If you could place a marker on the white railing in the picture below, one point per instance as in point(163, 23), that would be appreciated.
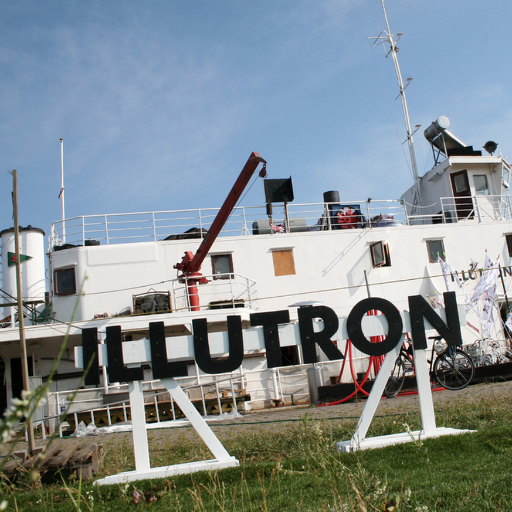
point(284, 385)
point(182, 224)
point(482, 208)
point(231, 292)
point(89, 402)
point(179, 224)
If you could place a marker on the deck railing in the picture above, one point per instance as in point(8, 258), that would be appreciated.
point(182, 224)
point(231, 291)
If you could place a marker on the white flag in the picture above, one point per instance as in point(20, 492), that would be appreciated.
point(448, 270)
point(488, 281)
point(489, 296)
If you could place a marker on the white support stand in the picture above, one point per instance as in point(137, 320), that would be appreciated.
point(141, 447)
point(428, 419)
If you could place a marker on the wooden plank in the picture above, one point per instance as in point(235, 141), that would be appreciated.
point(11, 466)
point(61, 458)
point(20, 454)
point(88, 453)
point(52, 449)
point(84, 459)
point(83, 472)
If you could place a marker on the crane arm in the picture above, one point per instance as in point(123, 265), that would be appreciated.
point(191, 264)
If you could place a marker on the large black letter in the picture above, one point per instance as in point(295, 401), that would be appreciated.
point(270, 321)
point(308, 337)
point(202, 348)
point(90, 356)
point(162, 369)
point(355, 332)
point(421, 308)
point(116, 370)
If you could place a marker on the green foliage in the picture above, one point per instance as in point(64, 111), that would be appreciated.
point(296, 468)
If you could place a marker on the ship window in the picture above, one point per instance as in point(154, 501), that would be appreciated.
point(380, 254)
point(481, 185)
point(435, 249)
point(283, 262)
point(460, 183)
point(509, 244)
point(64, 281)
point(506, 178)
point(222, 266)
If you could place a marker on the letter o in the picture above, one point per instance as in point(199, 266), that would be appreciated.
point(355, 331)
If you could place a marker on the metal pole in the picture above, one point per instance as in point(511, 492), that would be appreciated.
point(23, 346)
point(61, 195)
point(367, 284)
point(394, 50)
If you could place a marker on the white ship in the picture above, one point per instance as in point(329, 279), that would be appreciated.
point(132, 269)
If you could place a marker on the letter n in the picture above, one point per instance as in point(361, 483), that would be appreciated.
point(421, 309)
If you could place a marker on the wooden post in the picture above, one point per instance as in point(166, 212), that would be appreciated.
point(24, 364)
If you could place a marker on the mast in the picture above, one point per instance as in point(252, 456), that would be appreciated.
point(387, 36)
point(61, 194)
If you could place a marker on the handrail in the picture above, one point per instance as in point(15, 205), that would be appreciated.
point(162, 226)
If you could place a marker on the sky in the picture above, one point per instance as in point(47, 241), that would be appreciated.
point(161, 102)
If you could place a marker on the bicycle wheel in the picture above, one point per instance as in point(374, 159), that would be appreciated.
point(456, 372)
point(396, 379)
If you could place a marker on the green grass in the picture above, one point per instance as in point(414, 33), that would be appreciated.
point(298, 469)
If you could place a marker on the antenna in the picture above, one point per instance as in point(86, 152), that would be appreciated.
point(383, 37)
point(61, 194)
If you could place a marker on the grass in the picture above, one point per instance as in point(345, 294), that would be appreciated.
point(298, 469)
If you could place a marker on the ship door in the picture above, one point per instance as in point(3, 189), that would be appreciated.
point(462, 195)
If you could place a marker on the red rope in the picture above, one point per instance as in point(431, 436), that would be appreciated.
point(359, 386)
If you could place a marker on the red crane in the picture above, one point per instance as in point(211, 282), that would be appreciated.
point(191, 263)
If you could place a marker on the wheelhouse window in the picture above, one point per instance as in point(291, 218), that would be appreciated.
point(222, 266)
point(284, 264)
point(64, 281)
point(380, 254)
point(435, 249)
point(481, 185)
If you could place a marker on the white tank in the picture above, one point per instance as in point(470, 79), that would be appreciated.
point(33, 283)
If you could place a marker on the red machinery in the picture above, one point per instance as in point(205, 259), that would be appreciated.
point(191, 263)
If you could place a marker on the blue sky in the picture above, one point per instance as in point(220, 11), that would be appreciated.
point(160, 103)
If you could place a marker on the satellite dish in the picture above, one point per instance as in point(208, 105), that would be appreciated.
point(490, 146)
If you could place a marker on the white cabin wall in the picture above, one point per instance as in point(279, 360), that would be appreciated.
point(112, 274)
point(436, 183)
point(330, 267)
point(64, 305)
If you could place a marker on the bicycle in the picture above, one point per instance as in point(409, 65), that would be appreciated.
point(488, 351)
point(451, 367)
